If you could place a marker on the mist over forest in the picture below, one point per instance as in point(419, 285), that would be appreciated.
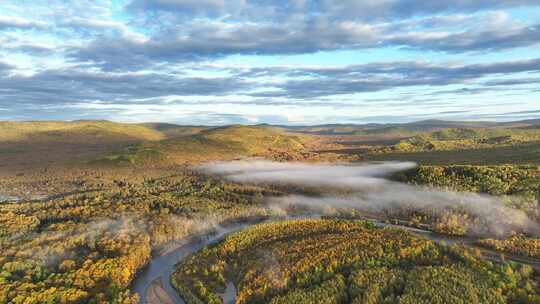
point(269, 152)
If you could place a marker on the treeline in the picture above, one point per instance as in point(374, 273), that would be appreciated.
point(495, 180)
point(515, 244)
point(517, 186)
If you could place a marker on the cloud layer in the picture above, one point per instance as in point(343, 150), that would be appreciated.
point(93, 57)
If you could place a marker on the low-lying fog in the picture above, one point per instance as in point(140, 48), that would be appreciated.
point(367, 188)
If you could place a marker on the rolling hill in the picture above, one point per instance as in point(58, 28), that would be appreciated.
point(77, 131)
point(215, 144)
point(44, 143)
point(171, 130)
point(406, 129)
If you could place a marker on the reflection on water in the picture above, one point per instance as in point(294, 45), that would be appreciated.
point(229, 296)
point(8, 199)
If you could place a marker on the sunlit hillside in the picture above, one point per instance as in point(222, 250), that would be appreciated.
point(171, 130)
point(47, 143)
point(214, 144)
point(77, 131)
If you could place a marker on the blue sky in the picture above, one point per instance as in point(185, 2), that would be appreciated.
point(269, 61)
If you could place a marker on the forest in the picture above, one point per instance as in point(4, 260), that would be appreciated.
point(81, 229)
point(86, 247)
point(269, 151)
point(338, 261)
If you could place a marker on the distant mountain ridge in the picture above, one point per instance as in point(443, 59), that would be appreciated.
point(418, 126)
point(103, 129)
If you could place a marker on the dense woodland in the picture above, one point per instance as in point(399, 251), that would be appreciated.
point(86, 247)
point(515, 244)
point(494, 180)
point(85, 222)
point(331, 261)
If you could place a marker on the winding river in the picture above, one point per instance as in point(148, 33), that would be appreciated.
point(153, 282)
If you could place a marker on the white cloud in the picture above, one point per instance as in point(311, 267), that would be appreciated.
point(230, 58)
point(10, 22)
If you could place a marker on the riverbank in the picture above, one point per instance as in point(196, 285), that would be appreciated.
point(154, 280)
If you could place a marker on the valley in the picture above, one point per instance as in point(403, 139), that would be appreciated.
point(110, 225)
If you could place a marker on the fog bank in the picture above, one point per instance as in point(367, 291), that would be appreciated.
point(344, 176)
point(370, 190)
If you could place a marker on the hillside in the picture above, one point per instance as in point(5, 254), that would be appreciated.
point(46, 143)
point(77, 131)
point(481, 146)
point(524, 154)
point(33, 144)
point(213, 144)
point(173, 130)
point(464, 138)
point(387, 131)
point(408, 129)
point(405, 129)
